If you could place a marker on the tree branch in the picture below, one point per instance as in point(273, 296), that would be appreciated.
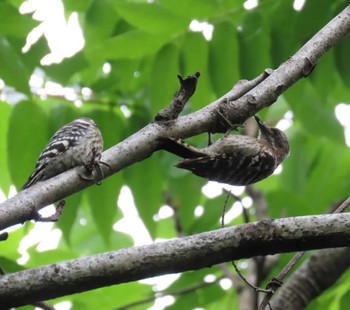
point(139, 146)
point(187, 89)
point(177, 255)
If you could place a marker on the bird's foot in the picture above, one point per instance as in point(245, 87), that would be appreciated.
point(94, 165)
point(227, 123)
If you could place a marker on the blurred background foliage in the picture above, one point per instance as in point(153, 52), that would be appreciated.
point(122, 76)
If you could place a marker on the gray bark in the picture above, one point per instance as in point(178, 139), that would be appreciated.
point(178, 255)
point(243, 101)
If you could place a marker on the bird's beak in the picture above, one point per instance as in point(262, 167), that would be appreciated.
point(263, 128)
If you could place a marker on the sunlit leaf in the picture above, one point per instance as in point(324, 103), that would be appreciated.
point(12, 69)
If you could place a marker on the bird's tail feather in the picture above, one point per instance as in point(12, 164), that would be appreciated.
point(179, 148)
point(34, 178)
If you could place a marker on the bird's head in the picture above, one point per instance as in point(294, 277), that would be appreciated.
point(275, 138)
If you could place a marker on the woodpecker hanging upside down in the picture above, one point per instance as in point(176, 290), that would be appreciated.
point(235, 159)
point(78, 143)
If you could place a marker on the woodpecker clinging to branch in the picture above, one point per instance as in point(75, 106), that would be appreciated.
point(235, 159)
point(77, 143)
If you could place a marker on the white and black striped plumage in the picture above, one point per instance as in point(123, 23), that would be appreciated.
point(77, 143)
point(235, 159)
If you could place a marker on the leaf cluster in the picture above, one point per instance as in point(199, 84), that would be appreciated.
point(146, 45)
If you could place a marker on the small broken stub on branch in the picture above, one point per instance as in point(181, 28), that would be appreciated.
point(52, 218)
point(187, 89)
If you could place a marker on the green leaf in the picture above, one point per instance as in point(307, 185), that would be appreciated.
point(13, 23)
point(306, 24)
point(122, 77)
point(103, 198)
point(341, 54)
point(146, 183)
point(209, 294)
point(211, 217)
point(63, 71)
point(27, 138)
point(282, 49)
point(5, 181)
point(164, 83)
point(296, 166)
point(194, 9)
point(103, 204)
point(9, 266)
point(166, 228)
point(254, 46)
point(12, 69)
point(77, 5)
point(313, 112)
point(130, 45)
point(60, 115)
point(287, 203)
point(185, 193)
point(345, 301)
point(223, 57)
point(328, 180)
point(105, 298)
point(48, 257)
point(192, 61)
point(38, 50)
point(98, 29)
point(9, 248)
point(151, 17)
point(69, 216)
point(186, 301)
point(324, 76)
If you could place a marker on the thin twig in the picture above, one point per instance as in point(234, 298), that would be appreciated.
point(255, 288)
point(244, 210)
point(224, 211)
point(343, 206)
point(174, 207)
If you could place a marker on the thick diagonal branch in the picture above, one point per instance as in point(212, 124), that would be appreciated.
point(143, 143)
point(177, 255)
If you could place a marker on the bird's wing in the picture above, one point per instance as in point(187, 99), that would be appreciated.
point(233, 168)
point(35, 176)
point(236, 145)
